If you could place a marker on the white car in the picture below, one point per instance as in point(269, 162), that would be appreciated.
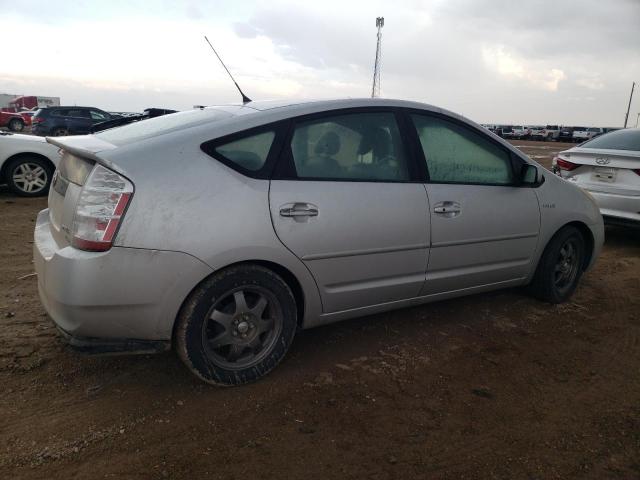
point(27, 163)
point(608, 167)
point(586, 133)
point(520, 132)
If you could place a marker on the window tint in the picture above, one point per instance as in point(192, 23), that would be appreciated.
point(456, 154)
point(250, 152)
point(358, 146)
point(59, 113)
point(78, 113)
point(618, 140)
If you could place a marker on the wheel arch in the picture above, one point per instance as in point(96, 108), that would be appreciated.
point(16, 156)
point(587, 234)
point(287, 275)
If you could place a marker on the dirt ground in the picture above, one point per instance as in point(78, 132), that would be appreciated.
point(491, 386)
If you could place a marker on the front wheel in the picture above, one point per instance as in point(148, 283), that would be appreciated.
point(560, 266)
point(236, 326)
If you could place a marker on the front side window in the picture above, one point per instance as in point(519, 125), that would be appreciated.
point(457, 154)
point(249, 153)
point(357, 146)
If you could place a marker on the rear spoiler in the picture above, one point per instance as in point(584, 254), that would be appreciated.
point(86, 146)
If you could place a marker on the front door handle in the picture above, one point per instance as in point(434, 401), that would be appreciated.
point(447, 209)
point(299, 210)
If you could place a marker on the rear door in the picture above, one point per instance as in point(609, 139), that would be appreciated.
point(484, 229)
point(346, 200)
point(78, 121)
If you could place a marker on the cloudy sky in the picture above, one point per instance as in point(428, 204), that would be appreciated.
point(533, 61)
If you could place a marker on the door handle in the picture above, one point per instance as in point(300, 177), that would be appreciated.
point(448, 209)
point(299, 210)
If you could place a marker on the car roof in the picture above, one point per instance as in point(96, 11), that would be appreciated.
point(291, 108)
point(75, 107)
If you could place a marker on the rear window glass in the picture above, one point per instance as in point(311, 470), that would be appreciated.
point(248, 153)
point(159, 125)
point(619, 140)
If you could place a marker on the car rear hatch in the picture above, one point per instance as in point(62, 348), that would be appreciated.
point(605, 171)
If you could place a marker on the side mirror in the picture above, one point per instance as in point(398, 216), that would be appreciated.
point(529, 175)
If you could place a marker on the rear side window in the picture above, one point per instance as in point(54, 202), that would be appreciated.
point(357, 146)
point(99, 116)
point(456, 154)
point(78, 113)
point(249, 153)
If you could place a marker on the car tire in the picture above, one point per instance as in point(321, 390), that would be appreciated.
point(560, 267)
point(16, 125)
point(236, 326)
point(29, 176)
point(59, 132)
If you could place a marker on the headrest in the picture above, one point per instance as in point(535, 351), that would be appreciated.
point(329, 144)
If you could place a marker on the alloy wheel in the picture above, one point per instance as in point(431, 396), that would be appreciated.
point(241, 327)
point(30, 177)
point(566, 267)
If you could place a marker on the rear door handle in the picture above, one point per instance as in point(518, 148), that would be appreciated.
point(299, 210)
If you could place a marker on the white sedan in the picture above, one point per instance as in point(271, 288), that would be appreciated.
point(27, 163)
point(608, 167)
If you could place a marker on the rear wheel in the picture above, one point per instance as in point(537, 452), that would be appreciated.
point(237, 326)
point(29, 176)
point(560, 267)
point(16, 125)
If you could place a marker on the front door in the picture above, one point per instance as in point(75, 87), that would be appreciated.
point(484, 228)
point(348, 206)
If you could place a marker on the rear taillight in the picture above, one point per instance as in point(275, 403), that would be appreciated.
point(37, 120)
point(101, 206)
point(565, 164)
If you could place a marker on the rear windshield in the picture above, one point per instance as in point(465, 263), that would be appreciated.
point(153, 127)
point(619, 140)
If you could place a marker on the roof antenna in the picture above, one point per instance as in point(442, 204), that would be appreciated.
point(245, 99)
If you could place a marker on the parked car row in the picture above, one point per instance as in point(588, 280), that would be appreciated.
point(27, 162)
point(547, 133)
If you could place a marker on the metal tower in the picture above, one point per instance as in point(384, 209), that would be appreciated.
point(375, 90)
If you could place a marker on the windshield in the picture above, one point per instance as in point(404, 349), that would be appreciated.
point(619, 140)
point(160, 125)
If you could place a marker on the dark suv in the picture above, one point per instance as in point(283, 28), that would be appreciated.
point(57, 121)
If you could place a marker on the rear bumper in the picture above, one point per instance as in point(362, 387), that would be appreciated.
point(121, 296)
point(101, 346)
point(624, 208)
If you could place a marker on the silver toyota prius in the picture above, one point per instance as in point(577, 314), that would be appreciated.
point(222, 231)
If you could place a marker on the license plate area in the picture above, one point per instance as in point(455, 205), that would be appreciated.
point(607, 175)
